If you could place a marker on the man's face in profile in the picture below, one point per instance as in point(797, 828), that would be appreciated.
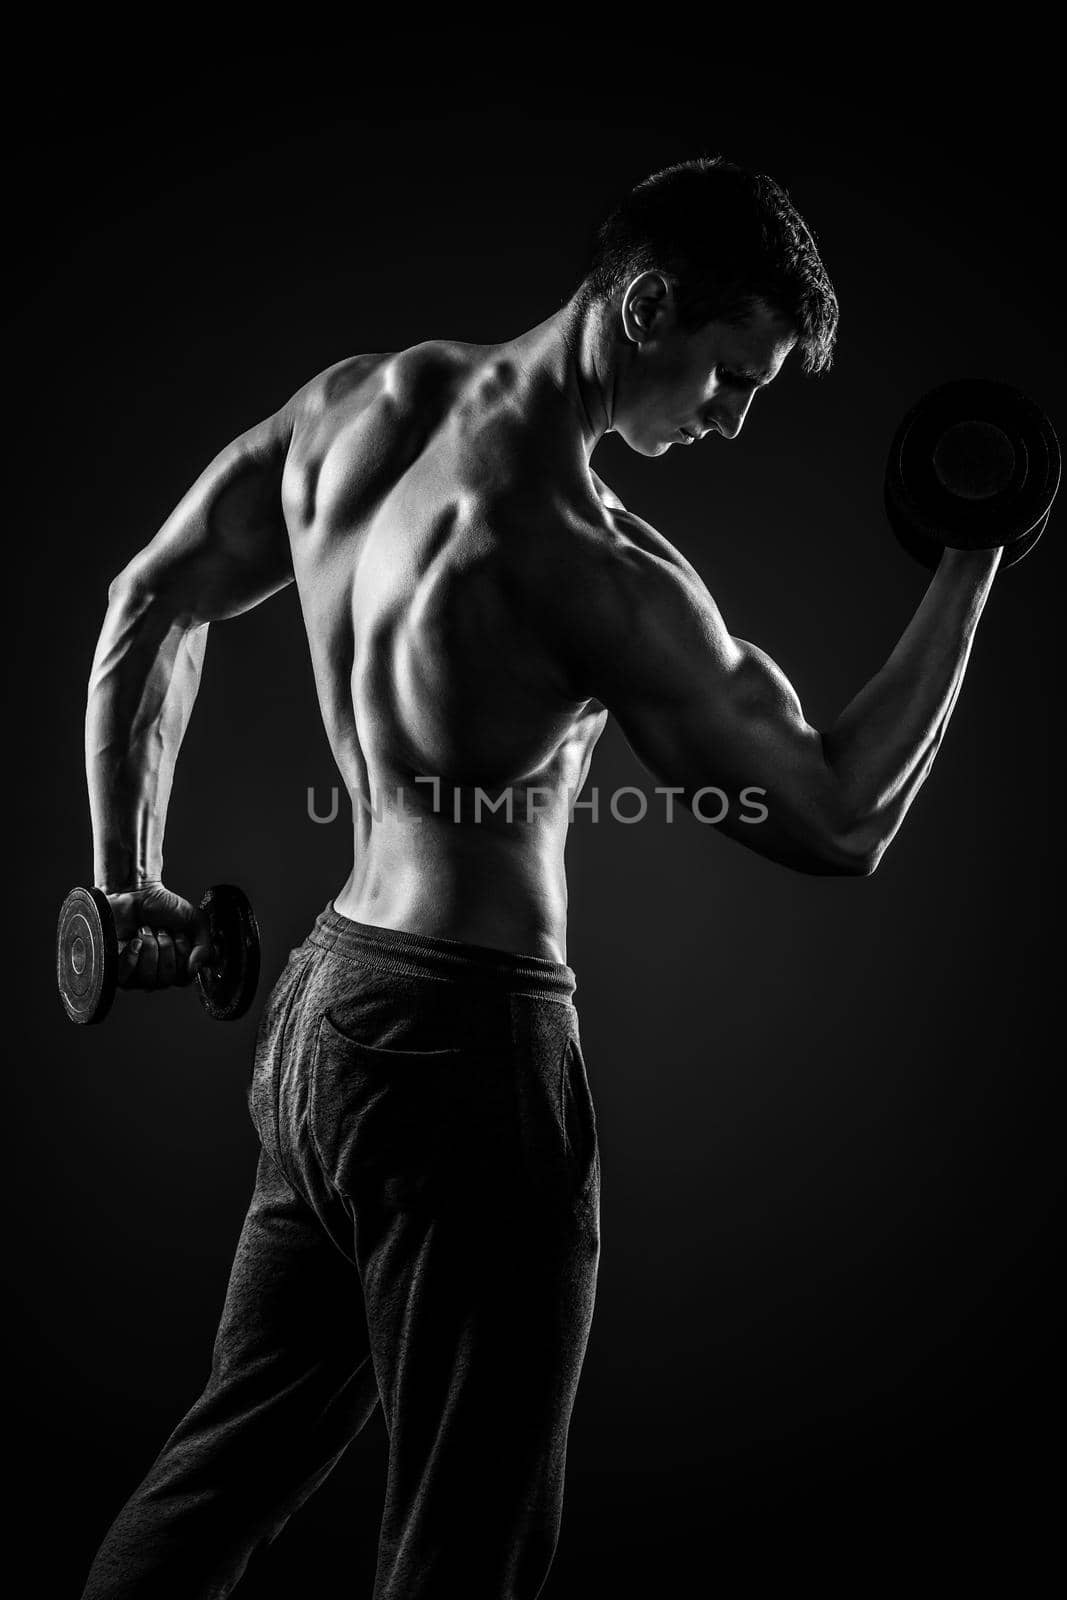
point(681, 384)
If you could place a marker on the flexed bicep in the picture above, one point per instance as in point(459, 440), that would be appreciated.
point(702, 710)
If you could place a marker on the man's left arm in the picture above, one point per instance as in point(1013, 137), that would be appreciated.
point(224, 549)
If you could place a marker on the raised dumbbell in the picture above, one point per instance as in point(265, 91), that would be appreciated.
point(87, 955)
point(973, 465)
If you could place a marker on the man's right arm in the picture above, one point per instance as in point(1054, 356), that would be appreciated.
point(702, 709)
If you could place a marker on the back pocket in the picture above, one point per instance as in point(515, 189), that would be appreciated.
point(399, 1126)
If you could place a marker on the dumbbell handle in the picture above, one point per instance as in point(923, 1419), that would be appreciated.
point(214, 945)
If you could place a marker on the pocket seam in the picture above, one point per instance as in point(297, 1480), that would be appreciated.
point(564, 1063)
point(272, 1110)
point(584, 1109)
point(275, 1096)
point(382, 1052)
point(313, 1098)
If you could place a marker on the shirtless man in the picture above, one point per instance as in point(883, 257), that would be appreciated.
point(424, 1230)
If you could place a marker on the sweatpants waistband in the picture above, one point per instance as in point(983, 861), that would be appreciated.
point(420, 955)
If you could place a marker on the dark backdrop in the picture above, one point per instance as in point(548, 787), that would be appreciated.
point(829, 1110)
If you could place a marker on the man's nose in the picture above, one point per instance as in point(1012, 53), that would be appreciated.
point(731, 417)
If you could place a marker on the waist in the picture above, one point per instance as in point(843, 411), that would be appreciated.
point(497, 886)
point(420, 955)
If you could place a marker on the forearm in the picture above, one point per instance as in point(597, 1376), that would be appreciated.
point(883, 744)
point(144, 681)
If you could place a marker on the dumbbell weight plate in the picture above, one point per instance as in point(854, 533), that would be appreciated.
point(973, 465)
point(227, 985)
point(87, 955)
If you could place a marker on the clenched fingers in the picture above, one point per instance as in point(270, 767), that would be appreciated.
point(148, 961)
point(182, 947)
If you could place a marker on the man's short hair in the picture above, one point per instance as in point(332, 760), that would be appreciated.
point(730, 237)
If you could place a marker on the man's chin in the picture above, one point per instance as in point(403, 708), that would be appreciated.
point(646, 446)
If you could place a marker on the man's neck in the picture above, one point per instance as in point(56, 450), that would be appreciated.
point(569, 364)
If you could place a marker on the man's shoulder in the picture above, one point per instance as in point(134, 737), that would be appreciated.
point(619, 548)
point(622, 603)
point(595, 569)
point(396, 377)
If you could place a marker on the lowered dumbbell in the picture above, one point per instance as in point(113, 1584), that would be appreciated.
point(973, 465)
point(87, 955)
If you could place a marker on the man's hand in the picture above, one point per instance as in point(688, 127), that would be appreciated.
point(163, 940)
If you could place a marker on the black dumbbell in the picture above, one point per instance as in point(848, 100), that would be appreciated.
point(87, 955)
point(973, 465)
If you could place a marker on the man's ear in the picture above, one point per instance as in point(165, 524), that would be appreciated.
point(646, 302)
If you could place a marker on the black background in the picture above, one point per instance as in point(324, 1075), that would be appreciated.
point(829, 1110)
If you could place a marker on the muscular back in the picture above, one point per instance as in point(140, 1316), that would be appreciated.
point(476, 602)
point(415, 499)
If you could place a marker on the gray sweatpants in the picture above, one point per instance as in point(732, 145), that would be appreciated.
point(423, 1234)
